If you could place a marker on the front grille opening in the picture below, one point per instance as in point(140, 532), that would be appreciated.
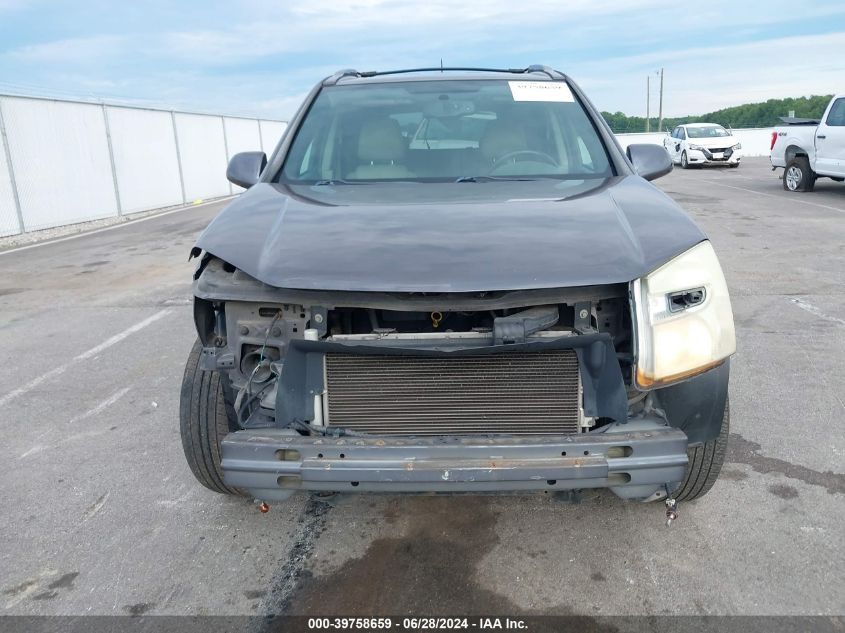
point(516, 393)
point(422, 317)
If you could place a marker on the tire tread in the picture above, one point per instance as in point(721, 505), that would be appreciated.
point(705, 463)
point(808, 177)
point(203, 422)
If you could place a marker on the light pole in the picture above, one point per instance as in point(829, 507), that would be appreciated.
point(660, 108)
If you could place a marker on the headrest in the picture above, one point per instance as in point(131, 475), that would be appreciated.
point(381, 140)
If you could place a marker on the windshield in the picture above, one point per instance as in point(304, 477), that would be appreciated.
point(445, 131)
point(707, 131)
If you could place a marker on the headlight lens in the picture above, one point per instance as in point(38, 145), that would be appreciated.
point(696, 147)
point(684, 320)
point(737, 146)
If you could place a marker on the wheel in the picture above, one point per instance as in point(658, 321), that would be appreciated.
point(705, 463)
point(734, 165)
point(684, 161)
point(206, 416)
point(797, 176)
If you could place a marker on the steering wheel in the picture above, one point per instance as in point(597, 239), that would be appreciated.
point(545, 158)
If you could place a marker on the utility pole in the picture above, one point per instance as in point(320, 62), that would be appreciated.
point(660, 110)
point(647, 102)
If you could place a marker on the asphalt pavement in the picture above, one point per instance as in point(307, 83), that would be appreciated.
point(102, 516)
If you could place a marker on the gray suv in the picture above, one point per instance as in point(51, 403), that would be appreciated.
point(455, 280)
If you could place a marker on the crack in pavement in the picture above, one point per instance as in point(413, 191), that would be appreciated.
point(285, 580)
point(743, 451)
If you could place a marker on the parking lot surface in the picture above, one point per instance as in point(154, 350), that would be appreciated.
point(102, 516)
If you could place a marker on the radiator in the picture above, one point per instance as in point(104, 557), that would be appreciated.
point(505, 393)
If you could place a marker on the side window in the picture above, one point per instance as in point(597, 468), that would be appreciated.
point(305, 165)
point(676, 133)
point(308, 156)
point(681, 133)
point(836, 116)
point(586, 158)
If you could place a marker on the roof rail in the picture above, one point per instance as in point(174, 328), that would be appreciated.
point(539, 68)
point(347, 72)
point(534, 68)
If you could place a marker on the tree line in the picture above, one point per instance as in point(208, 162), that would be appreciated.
point(764, 114)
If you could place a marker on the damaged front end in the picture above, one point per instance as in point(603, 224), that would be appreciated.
point(446, 392)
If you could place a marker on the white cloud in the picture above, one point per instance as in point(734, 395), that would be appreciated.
point(242, 57)
point(706, 78)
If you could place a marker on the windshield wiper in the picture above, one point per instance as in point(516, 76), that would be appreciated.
point(339, 181)
point(492, 178)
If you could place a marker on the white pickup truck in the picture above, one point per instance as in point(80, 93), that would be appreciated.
point(808, 149)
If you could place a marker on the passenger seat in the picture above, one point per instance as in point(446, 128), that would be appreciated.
point(381, 152)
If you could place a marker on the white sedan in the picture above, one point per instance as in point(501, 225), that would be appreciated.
point(702, 144)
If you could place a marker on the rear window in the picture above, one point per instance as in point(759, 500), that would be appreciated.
point(442, 131)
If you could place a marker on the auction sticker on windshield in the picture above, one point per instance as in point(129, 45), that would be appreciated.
point(540, 91)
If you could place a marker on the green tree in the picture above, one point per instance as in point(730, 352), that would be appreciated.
point(766, 114)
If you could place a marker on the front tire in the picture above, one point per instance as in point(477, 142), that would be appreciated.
point(206, 416)
point(797, 176)
point(705, 463)
point(684, 160)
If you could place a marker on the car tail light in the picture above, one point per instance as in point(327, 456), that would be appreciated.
point(774, 140)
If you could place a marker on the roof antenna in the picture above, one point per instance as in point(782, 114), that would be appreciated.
point(441, 64)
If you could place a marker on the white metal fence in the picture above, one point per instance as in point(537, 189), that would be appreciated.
point(755, 141)
point(63, 162)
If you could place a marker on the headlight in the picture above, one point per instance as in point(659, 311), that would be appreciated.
point(684, 320)
point(697, 147)
point(737, 146)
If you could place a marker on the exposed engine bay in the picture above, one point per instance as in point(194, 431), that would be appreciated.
point(419, 361)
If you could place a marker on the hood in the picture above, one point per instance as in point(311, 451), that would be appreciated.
point(450, 237)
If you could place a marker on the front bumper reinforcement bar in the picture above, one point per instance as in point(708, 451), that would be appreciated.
point(273, 463)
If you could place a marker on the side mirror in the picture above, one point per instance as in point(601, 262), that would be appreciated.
point(649, 161)
point(245, 168)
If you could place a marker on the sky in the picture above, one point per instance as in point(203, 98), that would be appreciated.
point(259, 58)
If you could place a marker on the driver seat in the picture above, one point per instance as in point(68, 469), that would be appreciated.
point(499, 139)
